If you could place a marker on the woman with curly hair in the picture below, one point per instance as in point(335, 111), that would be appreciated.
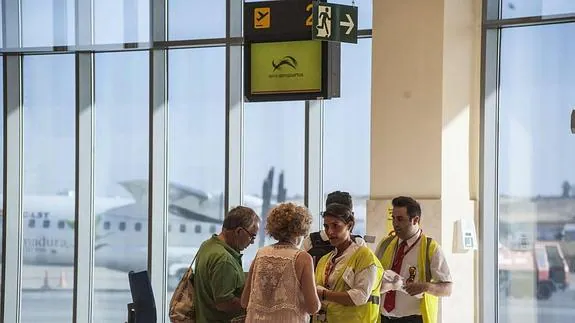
point(280, 285)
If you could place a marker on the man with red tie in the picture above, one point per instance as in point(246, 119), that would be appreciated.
point(420, 262)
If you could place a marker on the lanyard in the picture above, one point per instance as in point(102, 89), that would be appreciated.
point(328, 270)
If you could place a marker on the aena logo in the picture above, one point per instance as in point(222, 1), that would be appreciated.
point(286, 60)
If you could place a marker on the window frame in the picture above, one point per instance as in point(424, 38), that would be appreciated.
point(492, 25)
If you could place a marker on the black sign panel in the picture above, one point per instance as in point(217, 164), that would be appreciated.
point(281, 60)
point(279, 20)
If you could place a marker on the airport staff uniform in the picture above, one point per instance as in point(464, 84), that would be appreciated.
point(357, 272)
point(429, 266)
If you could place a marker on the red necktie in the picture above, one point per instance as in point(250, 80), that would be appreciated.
point(389, 302)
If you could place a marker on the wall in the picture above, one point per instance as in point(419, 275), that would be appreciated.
point(425, 125)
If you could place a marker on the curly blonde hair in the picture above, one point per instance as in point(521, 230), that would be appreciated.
point(287, 221)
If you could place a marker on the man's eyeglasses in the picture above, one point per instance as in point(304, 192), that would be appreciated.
point(252, 235)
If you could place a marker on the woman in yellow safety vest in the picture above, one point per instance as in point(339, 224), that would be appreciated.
point(349, 277)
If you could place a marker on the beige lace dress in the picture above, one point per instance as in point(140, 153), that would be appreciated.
point(275, 294)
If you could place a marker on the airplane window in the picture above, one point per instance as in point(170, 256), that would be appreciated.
point(138, 226)
point(107, 225)
point(31, 223)
point(182, 228)
point(213, 229)
point(198, 228)
point(46, 224)
point(61, 224)
point(122, 226)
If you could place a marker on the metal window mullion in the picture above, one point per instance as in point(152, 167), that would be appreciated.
point(12, 203)
point(85, 231)
point(492, 9)
point(13, 189)
point(11, 27)
point(488, 208)
point(158, 159)
point(314, 127)
point(158, 167)
point(234, 108)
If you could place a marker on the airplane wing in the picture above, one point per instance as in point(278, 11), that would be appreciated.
point(139, 191)
point(191, 215)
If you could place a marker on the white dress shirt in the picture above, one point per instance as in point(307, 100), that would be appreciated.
point(406, 305)
point(361, 283)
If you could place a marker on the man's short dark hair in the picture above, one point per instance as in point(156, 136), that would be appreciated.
point(240, 216)
point(411, 205)
point(339, 197)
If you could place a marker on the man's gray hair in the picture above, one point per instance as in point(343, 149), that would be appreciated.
point(240, 216)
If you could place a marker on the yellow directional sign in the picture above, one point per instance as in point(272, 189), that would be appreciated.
point(262, 18)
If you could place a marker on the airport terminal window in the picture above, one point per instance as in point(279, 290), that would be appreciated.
point(209, 19)
point(346, 159)
point(117, 22)
point(197, 159)
point(49, 150)
point(536, 175)
point(48, 23)
point(274, 145)
point(274, 148)
point(526, 8)
point(1, 142)
point(121, 95)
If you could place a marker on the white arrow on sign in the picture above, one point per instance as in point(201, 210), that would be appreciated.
point(349, 24)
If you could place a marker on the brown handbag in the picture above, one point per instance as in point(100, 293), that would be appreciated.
point(182, 308)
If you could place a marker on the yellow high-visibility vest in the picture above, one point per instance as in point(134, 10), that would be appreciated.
point(368, 312)
point(385, 253)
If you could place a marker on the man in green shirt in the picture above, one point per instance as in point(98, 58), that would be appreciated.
point(218, 275)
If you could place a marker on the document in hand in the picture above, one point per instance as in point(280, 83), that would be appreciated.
point(393, 281)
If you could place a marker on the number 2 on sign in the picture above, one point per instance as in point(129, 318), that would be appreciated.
point(309, 20)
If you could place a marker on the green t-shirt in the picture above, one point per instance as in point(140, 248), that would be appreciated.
point(218, 277)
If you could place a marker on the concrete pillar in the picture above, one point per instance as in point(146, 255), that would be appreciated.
point(425, 126)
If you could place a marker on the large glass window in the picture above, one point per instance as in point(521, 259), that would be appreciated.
point(274, 153)
point(526, 8)
point(121, 178)
point(197, 19)
point(48, 23)
point(536, 174)
point(197, 153)
point(346, 154)
point(49, 179)
point(1, 159)
point(121, 21)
